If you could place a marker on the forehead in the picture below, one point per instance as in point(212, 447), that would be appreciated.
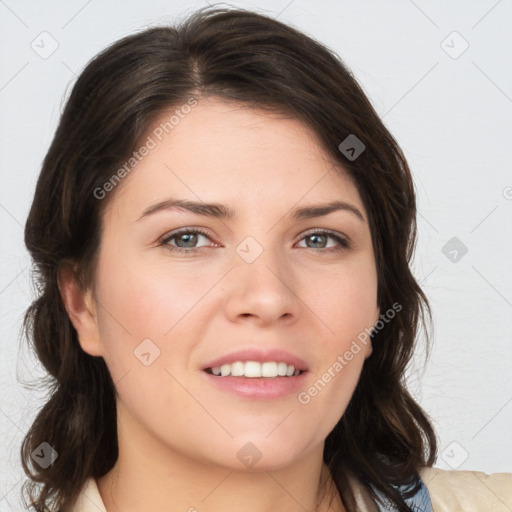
point(229, 130)
point(227, 152)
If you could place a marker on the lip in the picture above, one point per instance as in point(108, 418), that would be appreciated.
point(260, 356)
point(263, 388)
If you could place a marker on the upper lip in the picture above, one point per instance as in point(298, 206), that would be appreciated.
point(259, 355)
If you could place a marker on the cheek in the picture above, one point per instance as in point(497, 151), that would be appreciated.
point(346, 301)
point(346, 304)
point(141, 302)
point(144, 300)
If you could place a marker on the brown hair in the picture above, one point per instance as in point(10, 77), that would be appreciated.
point(384, 437)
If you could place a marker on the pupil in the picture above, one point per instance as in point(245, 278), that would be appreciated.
point(192, 237)
point(315, 238)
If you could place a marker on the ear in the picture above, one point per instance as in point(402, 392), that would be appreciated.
point(81, 308)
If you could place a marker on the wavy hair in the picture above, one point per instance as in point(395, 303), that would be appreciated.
point(384, 437)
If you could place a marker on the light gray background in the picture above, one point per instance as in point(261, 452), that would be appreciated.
point(451, 114)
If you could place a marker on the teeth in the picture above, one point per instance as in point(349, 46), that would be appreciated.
point(254, 370)
point(269, 370)
point(237, 369)
point(282, 369)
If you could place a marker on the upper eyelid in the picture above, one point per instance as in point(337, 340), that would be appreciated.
point(204, 232)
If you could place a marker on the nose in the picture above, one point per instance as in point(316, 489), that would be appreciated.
point(262, 290)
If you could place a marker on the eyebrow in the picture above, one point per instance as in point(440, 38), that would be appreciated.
point(221, 211)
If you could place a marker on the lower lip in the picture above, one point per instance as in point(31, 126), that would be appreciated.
point(263, 388)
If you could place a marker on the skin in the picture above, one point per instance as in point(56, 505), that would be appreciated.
point(179, 435)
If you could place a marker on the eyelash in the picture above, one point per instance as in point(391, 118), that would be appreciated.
point(344, 244)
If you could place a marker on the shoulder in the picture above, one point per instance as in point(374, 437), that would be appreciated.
point(468, 490)
point(89, 499)
point(447, 491)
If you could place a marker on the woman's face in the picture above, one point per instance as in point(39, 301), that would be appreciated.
point(262, 279)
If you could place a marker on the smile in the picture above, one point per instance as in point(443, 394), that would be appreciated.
point(254, 370)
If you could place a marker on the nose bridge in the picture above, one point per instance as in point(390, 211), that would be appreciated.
point(262, 279)
point(263, 259)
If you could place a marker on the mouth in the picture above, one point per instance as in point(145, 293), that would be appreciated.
point(256, 381)
point(255, 370)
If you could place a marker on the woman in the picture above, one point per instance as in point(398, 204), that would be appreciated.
point(223, 229)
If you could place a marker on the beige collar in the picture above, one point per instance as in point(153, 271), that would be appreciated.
point(449, 491)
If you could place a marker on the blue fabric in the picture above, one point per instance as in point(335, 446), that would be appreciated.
point(419, 502)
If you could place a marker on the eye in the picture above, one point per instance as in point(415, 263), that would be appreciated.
point(185, 238)
point(318, 239)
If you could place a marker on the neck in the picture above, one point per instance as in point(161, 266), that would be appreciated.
point(152, 476)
